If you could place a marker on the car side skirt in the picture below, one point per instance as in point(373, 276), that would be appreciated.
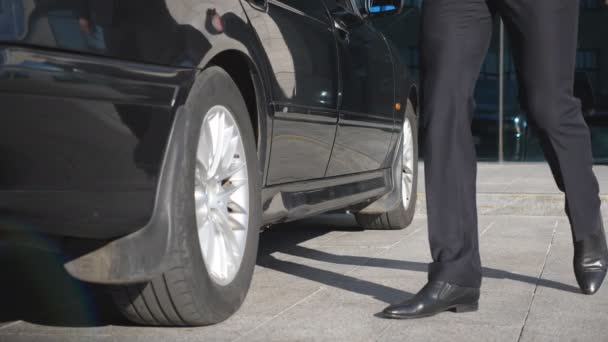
point(292, 201)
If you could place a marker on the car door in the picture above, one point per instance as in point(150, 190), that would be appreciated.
point(367, 100)
point(297, 38)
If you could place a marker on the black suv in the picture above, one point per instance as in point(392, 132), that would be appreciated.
point(159, 136)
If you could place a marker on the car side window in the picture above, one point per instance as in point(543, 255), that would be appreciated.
point(360, 4)
point(349, 5)
point(313, 8)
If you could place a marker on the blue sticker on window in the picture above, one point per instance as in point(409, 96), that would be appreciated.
point(385, 8)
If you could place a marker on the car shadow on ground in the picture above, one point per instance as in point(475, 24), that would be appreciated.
point(36, 288)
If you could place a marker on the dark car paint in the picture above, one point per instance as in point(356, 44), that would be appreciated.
point(82, 139)
point(301, 48)
point(367, 95)
point(93, 88)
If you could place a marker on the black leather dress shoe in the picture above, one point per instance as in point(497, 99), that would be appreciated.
point(436, 297)
point(591, 262)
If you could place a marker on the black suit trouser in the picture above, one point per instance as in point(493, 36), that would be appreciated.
point(455, 38)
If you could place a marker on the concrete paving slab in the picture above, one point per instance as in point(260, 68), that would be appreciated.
point(57, 338)
point(562, 315)
point(516, 189)
point(507, 292)
point(332, 315)
point(433, 331)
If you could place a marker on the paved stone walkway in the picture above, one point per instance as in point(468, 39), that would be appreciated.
point(324, 280)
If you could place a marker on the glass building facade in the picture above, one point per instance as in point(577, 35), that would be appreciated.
point(519, 141)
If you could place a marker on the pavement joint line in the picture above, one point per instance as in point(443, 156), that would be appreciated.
point(542, 271)
point(487, 228)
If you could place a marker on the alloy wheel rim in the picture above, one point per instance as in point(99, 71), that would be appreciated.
point(221, 195)
point(407, 178)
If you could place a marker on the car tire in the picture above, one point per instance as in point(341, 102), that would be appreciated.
point(400, 217)
point(189, 293)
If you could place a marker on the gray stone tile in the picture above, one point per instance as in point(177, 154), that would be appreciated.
point(39, 329)
point(331, 315)
point(565, 314)
point(56, 338)
point(430, 330)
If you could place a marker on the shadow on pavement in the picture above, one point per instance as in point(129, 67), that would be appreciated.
point(298, 233)
point(35, 287)
point(286, 239)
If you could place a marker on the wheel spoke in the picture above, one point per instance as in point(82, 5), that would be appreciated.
point(206, 239)
point(232, 169)
point(218, 144)
point(204, 152)
point(230, 145)
point(231, 188)
point(226, 228)
point(407, 188)
point(236, 208)
point(406, 169)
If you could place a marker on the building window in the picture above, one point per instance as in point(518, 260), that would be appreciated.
point(590, 4)
point(414, 3)
point(587, 61)
point(489, 69)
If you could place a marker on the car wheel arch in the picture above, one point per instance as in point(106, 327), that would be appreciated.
point(251, 82)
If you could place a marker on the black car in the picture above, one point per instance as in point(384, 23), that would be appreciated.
point(158, 136)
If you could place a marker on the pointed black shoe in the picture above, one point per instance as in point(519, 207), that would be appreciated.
point(591, 262)
point(434, 298)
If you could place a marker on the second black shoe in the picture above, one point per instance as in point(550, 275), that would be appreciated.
point(435, 297)
point(591, 262)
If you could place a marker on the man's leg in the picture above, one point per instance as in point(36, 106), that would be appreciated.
point(455, 38)
point(544, 36)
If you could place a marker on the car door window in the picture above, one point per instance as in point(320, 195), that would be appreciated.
point(360, 4)
point(314, 9)
point(346, 4)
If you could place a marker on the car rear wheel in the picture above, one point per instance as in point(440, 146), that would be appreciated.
point(402, 216)
point(220, 207)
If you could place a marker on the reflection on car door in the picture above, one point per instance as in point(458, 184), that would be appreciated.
point(302, 52)
point(367, 94)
